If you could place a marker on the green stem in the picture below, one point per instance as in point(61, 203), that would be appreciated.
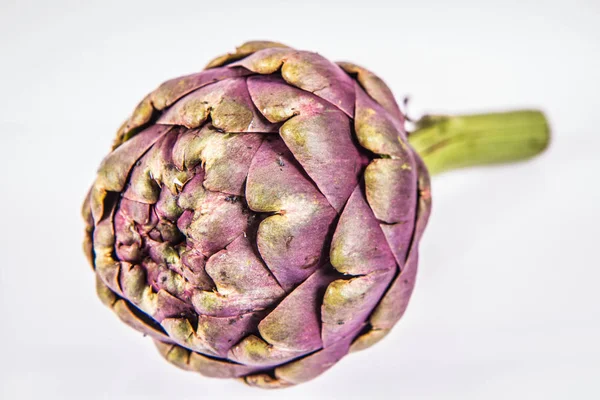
point(450, 142)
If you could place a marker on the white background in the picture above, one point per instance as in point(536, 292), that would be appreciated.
point(507, 304)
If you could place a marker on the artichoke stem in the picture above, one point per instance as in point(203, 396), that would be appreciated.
point(451, 142)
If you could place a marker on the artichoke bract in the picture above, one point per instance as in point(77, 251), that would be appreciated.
point(261, 219)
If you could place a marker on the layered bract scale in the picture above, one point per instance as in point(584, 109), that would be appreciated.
point(260, 219)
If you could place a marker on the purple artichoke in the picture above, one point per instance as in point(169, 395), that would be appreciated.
point(261, 219)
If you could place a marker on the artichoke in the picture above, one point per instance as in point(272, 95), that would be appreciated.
point(261, 219)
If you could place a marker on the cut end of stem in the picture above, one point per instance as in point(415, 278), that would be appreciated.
point(451, 142)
